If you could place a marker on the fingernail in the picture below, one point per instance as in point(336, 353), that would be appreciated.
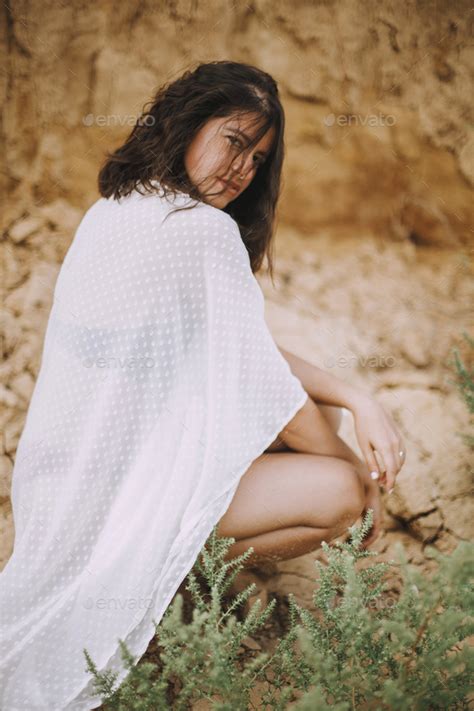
point(374, 475)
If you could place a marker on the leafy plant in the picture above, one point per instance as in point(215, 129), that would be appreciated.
point(358, 649)
point(368, 651)
point(465, 383)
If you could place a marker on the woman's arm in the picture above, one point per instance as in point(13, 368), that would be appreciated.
point(309, 432)
point(323, 387)
point(374, 427)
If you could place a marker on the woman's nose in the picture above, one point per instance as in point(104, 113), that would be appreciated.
point(242, 165)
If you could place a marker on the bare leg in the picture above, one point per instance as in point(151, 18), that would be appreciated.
point(282, 544)
point(270, 508)
point(332, 414)
point(287, 503)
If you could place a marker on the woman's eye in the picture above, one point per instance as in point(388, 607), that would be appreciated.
point(236, 141)
point(233, 140)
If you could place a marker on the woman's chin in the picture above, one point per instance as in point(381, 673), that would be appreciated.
point(219, 201)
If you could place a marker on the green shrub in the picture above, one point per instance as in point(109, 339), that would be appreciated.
point(359, 648)
point(465, 384)
point(366, 650)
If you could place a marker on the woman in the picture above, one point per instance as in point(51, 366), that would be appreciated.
point(234, 163)
point(163, 407)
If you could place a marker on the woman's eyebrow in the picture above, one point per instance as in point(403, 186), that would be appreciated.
point(247, 138)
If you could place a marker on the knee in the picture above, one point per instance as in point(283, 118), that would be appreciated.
point(349, 496)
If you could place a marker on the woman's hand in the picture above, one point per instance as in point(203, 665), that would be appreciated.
point(375, 430)
point(372, 501)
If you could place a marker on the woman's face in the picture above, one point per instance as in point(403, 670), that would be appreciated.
point(211, 159)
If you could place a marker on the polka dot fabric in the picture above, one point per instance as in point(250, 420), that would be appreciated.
point(159, 384)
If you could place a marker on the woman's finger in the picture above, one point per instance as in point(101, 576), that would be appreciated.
point(372, 462)
point(401, 453)
point(382, 480)
point(391, 474)
point(394, 454)
point(398, 446)
point(391, 467)
point(397, 457)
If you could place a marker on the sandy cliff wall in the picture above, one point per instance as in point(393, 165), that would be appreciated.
point(376, 215)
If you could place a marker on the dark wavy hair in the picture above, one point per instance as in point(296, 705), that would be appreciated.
point(156, 146)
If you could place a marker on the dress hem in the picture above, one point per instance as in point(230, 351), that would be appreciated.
point(137, 651)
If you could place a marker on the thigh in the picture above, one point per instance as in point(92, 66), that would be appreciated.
point(288, 489)
point(333, 415)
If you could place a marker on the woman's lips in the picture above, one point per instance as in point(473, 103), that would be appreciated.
point(229, 186)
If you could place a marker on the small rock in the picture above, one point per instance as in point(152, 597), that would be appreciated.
point(458, 518)
point(446, 542)
point(62, 214)
point(23, 385)
point(10, 330)
point(415, 350)
point(12, 433)
point(6, 468)
point(24, 228)
point(251, 643)
point(391, 523)
point(7, 397)
point(466, 159)
point(37, 291)
point(7, 535)
point(426, 528)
